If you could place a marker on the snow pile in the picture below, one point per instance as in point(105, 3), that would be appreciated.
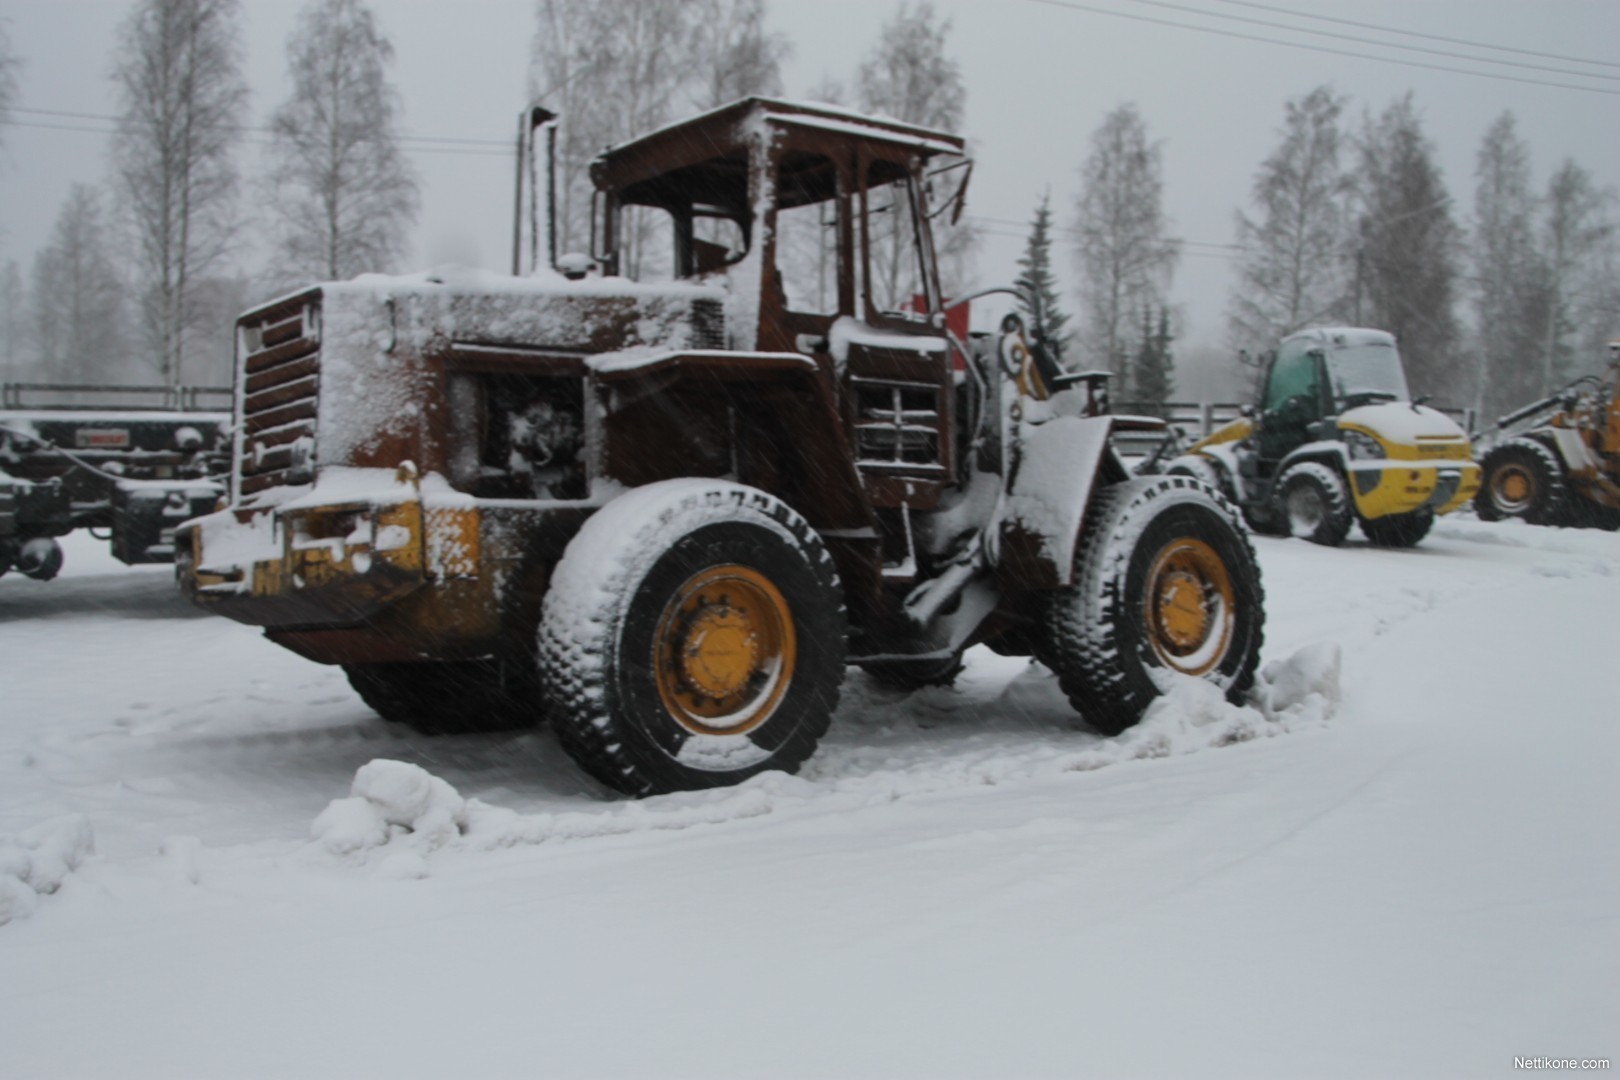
point(1194, 714)
point(35, 862)
point(389, 800)
point(399, 813)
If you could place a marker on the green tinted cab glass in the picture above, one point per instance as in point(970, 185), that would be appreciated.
point(1292, 375)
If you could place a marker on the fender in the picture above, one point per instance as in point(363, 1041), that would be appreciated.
point(1057, 465)
point(770, 413)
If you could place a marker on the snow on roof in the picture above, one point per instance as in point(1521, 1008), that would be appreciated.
point(811, 114)
point(1343, 336)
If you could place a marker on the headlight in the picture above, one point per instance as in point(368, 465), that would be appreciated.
point(1363, 447)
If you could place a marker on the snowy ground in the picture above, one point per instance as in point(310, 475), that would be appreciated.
point(1422, 882)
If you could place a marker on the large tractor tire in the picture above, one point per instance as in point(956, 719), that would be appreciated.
point(1587, 514)
point(1313, 503)
point(693, 636)
point(1167, 582)
point(448, 698)
point(1204, 470)
point(1521, 479)
point(1398, 530)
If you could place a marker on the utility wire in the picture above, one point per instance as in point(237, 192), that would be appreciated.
point(1367, 41)
point(1070, 5)
point(1419, 34)
point(257, 129)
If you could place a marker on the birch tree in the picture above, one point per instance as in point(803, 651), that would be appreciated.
point(8, 77)
point(1577, 238)
point(1509, 280)
point(179, 78)
point(909, 76)
point(1292, 273)
point(1122, 248)
point(77, 299)
point(342, 195)
point(1407, 249)
point(733, 54)
point(613, 69)
point(13, 322)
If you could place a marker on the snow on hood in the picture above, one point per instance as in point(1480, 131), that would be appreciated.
point(1402, 423)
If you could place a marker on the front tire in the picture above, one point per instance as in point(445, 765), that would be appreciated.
point(1521, 479)
point(1314, 504)
point(1399, 530)
point(693, 637)
point(1167, 581)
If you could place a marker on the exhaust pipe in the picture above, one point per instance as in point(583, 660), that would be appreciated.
point(40, 558)
point(527, 214)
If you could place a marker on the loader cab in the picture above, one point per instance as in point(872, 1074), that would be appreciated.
point(816, 222)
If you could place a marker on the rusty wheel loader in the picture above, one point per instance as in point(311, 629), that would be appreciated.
point(663, 498)
point(1557, 461)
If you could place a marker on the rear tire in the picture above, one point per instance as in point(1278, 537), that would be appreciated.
point(693, 637)
point(1399, 530)
point(908, 675)
point(461, 697)
point(1167, 581)
point(1521, 479)
point(1313, 504)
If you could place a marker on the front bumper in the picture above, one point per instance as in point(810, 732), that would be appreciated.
point(1382, 488)
point(379, 582)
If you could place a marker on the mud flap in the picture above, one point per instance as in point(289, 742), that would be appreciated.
point(1055, 468)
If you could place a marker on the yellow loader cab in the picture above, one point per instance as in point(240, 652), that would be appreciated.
point(1337, 440)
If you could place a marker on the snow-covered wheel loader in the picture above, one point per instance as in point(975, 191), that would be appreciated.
point(1557, 461)
point(665, 498)
point(1337, 441)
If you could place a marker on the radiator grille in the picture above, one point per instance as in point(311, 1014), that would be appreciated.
point(281, 362)
point(708, 325)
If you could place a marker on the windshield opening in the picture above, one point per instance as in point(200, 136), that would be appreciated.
point(1366, 371)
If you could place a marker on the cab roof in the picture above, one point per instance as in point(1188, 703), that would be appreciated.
point(726, 132)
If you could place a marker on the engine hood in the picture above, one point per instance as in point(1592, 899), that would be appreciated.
point(1401, 422)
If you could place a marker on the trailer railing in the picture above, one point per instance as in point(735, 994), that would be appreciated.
point(65, 396)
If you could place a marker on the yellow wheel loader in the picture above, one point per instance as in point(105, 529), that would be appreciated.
point(1335, 441)
point(1557, 460)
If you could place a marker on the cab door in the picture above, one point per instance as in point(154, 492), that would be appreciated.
point(897, 377)
point(1292, 402)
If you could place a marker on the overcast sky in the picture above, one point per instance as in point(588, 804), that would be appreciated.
point(1040, 75)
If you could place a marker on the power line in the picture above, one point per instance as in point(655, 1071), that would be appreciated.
point(1364, 40)
point(1421, 34)
point(257, 129)
point(1239, 35)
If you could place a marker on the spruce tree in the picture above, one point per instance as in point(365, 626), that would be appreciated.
point(1036, 278)
point(1153, 377)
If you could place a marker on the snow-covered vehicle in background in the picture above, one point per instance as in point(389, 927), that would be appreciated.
point(1557, 461)
point(132, 462)
point(1337, 440)
point(663, 500)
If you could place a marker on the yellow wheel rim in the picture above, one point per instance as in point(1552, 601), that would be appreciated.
point(1513, 487)
point(725, 651)
point(1190, 606)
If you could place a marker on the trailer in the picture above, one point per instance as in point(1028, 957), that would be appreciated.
point(128, 463)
